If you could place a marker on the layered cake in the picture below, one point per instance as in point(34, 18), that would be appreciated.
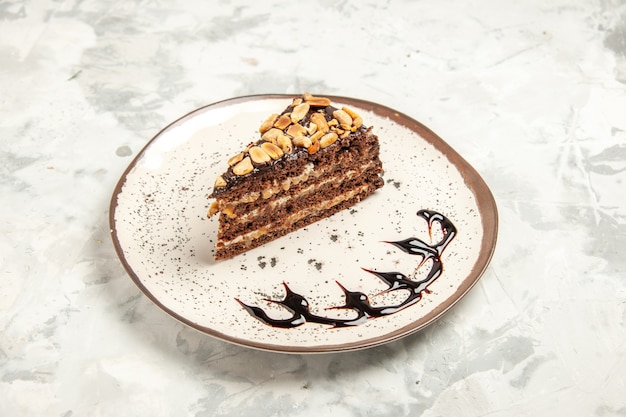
point(311, 161)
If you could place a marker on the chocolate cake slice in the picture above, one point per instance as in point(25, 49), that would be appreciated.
point(311, 161)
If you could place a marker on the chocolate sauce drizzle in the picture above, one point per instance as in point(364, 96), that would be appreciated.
point(359, 302)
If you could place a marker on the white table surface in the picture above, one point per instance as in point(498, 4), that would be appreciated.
point(531, 93)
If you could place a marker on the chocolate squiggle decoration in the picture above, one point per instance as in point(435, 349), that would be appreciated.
point(359, 302)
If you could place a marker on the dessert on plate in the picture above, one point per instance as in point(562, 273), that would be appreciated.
point(312, 160)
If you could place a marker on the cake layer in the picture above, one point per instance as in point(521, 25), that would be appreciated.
point(243, 212)
point(283, 208)
point(242, 198)
point(256, 238)
point(246, 206)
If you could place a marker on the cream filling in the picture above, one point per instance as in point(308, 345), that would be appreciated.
point(228, 208)
point(295, 217)
point(278, 187)
point(282, 186)
point(281, 201)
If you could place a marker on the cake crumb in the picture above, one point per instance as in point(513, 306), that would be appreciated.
point(315, 263)
point(394, 182)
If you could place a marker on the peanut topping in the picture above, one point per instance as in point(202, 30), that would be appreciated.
point(357, 121)
point(302, 141)
point(317, 135)
point(214, 208)
point(296, 130)
point(315, 146)
point(316, 101)
point(272, 150)
point(283, 121)
point(272, 135)
point(343, 117)
point(244, 167)
point(258, 155)
point(320, 122)
point(220, 181)
point(268, 123)
point(299, 112)
point(285, 144)
point(234, 159)
point(328, 139)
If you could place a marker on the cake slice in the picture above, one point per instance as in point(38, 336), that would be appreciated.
point(311, 161)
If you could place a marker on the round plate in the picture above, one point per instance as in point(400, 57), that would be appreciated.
point(166, 242)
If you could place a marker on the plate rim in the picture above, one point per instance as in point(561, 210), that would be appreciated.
point(485, 202)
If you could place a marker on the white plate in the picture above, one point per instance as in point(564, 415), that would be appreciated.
point(166, 243)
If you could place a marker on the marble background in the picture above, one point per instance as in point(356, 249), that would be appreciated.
point(532, 93)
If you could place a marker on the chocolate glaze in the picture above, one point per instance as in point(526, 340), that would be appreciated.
point(298, 152)
point(359, 302)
